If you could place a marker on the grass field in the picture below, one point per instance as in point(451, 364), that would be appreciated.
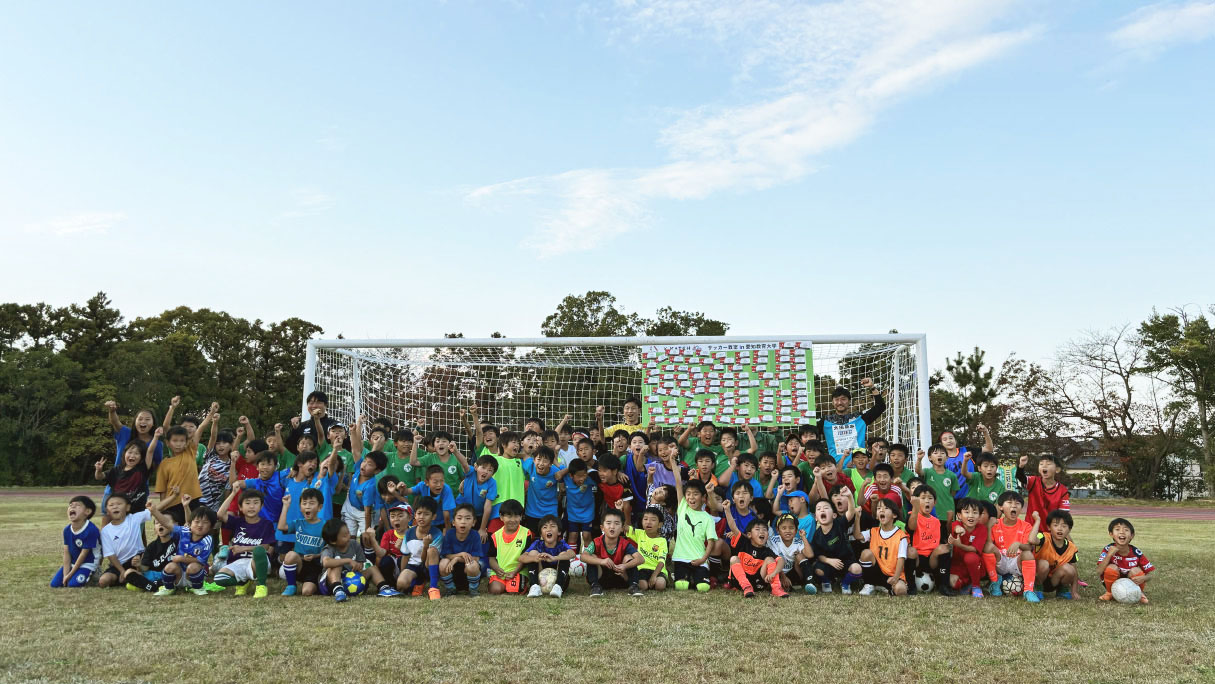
point(116, 635)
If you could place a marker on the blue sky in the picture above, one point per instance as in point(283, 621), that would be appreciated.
point(1002, 174)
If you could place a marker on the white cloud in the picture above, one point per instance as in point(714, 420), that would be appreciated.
point(308, 202)
point(1154, 28)
point(84, 223)
point(818, 76)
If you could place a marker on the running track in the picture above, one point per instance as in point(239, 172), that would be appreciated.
point(1078, 508)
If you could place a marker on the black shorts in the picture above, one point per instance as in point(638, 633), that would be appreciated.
point(578, 527)
point(310, 571)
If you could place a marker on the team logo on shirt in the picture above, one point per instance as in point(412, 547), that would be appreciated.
point(451, 470)
point(407, 468)
point(946, 481)
point(80, 543)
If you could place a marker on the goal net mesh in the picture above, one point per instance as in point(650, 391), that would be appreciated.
point(429, 386)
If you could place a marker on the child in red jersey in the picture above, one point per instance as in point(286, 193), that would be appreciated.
point(1043, 492)
point(968, 538)
point(1120, 559)
point(613, 487)
point(925, 530)
point(1010, 538)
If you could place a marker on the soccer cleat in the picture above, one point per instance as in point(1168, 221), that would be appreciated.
point(867, 590)
point(163, 591)
point(810, 589)
point(1033, 597)
point(995, 587)
point(846, 589)
point(976, 592)
point(826, 588)
point(534, 592)
point(289, 590)
point(244, 588)
point(132, 587)
point(1063, 594)
point(417, 590)
point(948, 591)
point(387, 592)
point(433, 594)
point(339, 596)
point(198, 591)
point(596, 590)
point(635, 590)
point(681, 585)
point(213, 588)
point(261, 591)
point(748, 594)
point(556, 592)
point(702, 587)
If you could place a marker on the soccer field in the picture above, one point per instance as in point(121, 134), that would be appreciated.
point(117, 635)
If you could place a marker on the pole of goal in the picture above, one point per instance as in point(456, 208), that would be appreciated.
point(923, 400)
point(309, 375)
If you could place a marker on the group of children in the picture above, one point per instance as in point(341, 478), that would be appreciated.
point(330, 512)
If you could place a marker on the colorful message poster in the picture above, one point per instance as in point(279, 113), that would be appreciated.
point(762, 383)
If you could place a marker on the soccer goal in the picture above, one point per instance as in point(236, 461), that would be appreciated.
point(766, 382)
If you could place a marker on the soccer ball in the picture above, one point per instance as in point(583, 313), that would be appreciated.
point(547, 580)
point(1126, 591)
point(923, 582)
point(577, 568)
point(1012, 586)
point(353, 582)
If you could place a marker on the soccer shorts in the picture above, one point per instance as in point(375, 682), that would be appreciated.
point(1008, 566)
point(78, 579)
point(579, 527)
point(514, 586)
point(308, 571)
point(241, 569)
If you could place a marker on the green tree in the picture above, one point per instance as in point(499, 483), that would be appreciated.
point(964, 396)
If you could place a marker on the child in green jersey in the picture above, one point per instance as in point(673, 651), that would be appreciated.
point(985, 486)
point(943, 481)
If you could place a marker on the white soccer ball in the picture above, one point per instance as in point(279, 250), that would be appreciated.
point(577, 568)
point(923, 582)
point(547, 580)
point(1012, 585)
point(1126, 591)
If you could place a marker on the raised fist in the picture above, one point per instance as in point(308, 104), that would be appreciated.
point(111, 405)
point(160, 432)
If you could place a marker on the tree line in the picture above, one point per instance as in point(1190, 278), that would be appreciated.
point(1139, 396)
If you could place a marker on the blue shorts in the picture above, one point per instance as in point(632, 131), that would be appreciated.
point(79, 579)
point(571, 526)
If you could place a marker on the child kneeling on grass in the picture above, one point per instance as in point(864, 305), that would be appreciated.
point(192, 555)
point(251, 544)
point(1010, 538)
point(752, 564)
point(343, 554)
point(81, 543)
point(611, 559)
point(549, 552)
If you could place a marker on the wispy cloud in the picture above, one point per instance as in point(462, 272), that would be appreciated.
point(84, 223)
point(308, 202)
point(1154, 28)
point(819, 75)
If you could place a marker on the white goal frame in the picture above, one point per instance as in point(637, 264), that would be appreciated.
point(918, 340)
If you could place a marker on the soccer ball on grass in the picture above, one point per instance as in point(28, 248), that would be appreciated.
point(547, 580)
point(1012, 585)
point(923, 582)
point(577, 568)
point(353, 582)
point(1126, 591)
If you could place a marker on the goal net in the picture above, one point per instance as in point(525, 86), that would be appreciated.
point(768, 382)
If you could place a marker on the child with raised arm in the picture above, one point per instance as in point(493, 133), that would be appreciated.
point(192, 556)
point(156, 555)
point(694, 537)
point(1121, 559)
point(130, 476)
point(359, 505)
point(509, 476)
point(791, 546)
point(140, 430)
point(81, 544)
point(390, 552)
point(706, 438)
point(968, 539)
point(121, 540)
point(927, 552)
point(943, 481)
point(983, 485)
point(215, 471)
point(882, 563)
point(630, 411)
point(542, 478)
point(1010, 537)
point(752, 564)
point(177, 475)
point(834, 560)
point(451, 462)
point(435, 487)
point(549, 552)
point(252, 542)
point(301, 566)
point(479, 491)
point(611, 559)
point(1043, 492)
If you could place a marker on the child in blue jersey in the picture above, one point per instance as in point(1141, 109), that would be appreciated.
point(192, 556)
point(742, 469)
point(542, 481)
point(479, 489)
point(436, 488)
point(302, 475)
point(81, 544)
point(355, 513)
point(580, 490)
point(549, 551)
point(462, 552)
point(251, 544)
point(302, 564)
point(733, 519)
point(389, 490)
point(420, 551)
point(271, 482)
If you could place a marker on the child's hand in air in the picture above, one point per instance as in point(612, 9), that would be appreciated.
point(286, 500)
point(295, 422)
point(160, 432)
point(186, 499)
point(174, 401)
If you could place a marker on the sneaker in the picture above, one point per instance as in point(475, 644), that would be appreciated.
point(867, 590)
point(995, 587)
point(713, 584)
point(1063, 595)
point(947, 590)
point(244, 588)
point(1106, 597)
point(261, 591)
point(846, 589)
point(681, 585)
point(702, 587)
point(556, 592)
point(289, 590)
point(534, 592)
point(635, 590)
point(810, 589)
point(163, 591)
point(387, 592)
point(596, 590)
point(1033, 597)
point(976, 592)
point(339, 595)
point(198, 591)
point(221, 558)
point(433, 594)
point(417, 590)
point(132, 587)
point(747, 593)
point(213, 588)
point(826, 588)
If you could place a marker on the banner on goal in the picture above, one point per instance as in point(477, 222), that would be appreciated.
point(755, 383)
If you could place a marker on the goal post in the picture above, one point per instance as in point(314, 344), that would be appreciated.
point(770, 382)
